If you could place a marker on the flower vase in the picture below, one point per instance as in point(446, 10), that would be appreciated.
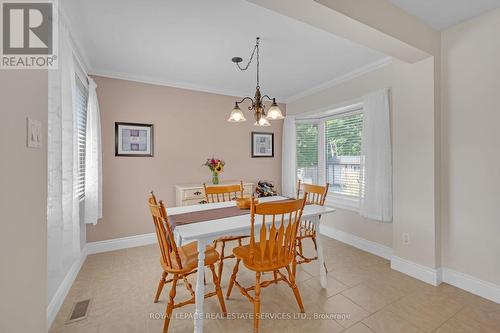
point(215, 177)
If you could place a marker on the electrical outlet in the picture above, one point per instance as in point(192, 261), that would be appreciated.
point(406, 238)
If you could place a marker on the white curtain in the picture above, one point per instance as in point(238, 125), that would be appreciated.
point(93, 159)
point(288, 163)
point(63, 217)
point(376, 158)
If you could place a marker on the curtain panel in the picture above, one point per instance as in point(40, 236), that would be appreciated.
point(93, 159)
point(289, 154)
point(63, 215)
point(376, 158)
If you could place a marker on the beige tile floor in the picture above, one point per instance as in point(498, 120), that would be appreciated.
point(364, 295)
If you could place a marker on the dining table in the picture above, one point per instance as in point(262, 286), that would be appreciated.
point(214, 224)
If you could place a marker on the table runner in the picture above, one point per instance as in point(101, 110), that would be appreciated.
point(210, 214)
point(207, 215)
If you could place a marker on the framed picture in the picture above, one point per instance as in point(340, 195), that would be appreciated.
point(133, 139)
point(262, 144)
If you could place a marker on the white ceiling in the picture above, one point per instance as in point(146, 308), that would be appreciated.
point(442, 14)
point(190, 44)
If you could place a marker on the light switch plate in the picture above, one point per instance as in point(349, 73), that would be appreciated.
point(33, 133)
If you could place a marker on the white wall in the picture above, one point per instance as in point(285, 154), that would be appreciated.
point(23, 204)
point(470, 145)
point(412, 112)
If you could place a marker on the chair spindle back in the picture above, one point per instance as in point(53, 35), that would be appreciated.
point(277, 242)
point(164, 233)
point(223, 193)
point(316, 193)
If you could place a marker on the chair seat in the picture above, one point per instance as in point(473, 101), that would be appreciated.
point(189, 258)
point(258, 264)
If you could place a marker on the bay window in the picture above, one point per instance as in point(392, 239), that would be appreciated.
point(329, 151)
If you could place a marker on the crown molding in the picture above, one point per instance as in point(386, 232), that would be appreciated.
point(169, 83)
point(234, 93)
point(336, 81)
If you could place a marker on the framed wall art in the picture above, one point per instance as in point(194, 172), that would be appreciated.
point(133, 139)
point(262, 144)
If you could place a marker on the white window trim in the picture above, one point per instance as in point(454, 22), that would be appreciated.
point(341, 201)
point(336, 200)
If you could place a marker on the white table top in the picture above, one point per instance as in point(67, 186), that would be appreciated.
point(229, 225)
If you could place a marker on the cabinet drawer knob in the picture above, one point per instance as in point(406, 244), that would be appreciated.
point(197, 193)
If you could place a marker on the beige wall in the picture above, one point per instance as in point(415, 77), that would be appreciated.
point(471, 158)
point(189, 127)
point(23, 203)
point(414, 162)
point(412, 113)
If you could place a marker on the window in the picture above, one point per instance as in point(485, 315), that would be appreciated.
point(307, 152)
point(329, 150)
point(81, 96)
point(343, 150)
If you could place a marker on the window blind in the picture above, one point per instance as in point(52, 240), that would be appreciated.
point(307, 152)
point(343, 150)
point(81, 97)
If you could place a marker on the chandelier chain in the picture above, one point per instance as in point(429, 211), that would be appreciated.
point(255, 49)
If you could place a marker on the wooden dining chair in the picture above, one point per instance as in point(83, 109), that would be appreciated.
point(224, 193)
point(180, 262)
point(316, 194)
point(275, 249)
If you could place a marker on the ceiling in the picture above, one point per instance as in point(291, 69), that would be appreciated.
point(442, 14)
point(190, 43)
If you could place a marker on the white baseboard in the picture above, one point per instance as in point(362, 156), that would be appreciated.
point(358, 242)
point(121, 243)
point(55, 304)
point(421, 272)
point(472, 284)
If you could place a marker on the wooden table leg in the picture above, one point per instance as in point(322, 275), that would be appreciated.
point(200, 287)
point(321, 258)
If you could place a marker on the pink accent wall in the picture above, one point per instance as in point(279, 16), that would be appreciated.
point(189, 126)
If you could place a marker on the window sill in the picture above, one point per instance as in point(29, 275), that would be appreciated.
point(343, 202)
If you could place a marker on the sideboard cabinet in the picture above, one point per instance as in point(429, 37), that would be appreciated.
point(193, 194)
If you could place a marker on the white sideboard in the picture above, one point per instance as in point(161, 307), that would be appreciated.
point(193, 194)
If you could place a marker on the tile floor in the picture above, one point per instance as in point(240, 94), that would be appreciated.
point(364, 295)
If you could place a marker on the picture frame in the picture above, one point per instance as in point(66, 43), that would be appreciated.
point(262, 144)
point(134, 139)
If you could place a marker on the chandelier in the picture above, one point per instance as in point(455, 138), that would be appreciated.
point(261, 116)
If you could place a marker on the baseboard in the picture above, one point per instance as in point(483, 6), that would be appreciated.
point(418, 271)
point(358, 242)
point(121, 243)
point(472, 284)
point(55, 304)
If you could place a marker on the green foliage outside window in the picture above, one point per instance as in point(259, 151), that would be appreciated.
point(307, 145)
point(343, 136)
